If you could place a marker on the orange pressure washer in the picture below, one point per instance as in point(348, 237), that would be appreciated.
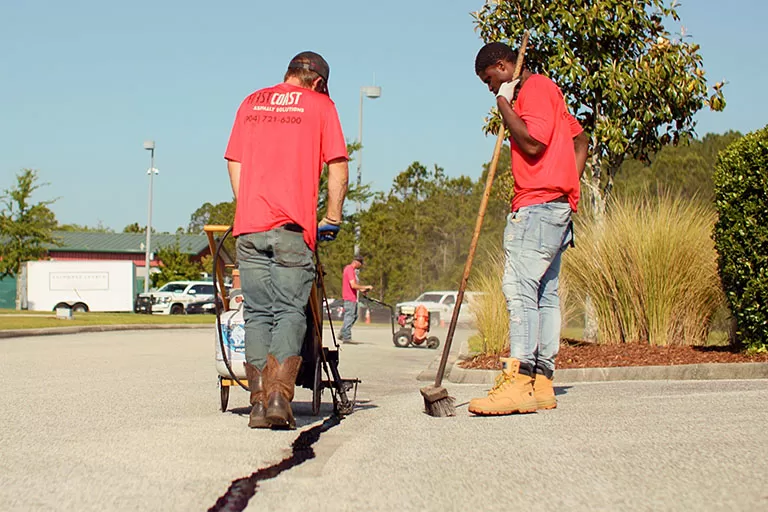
point(414, 329)
point(414, 325)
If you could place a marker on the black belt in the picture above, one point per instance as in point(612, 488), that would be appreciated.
point(561, 199)
point(293, 227)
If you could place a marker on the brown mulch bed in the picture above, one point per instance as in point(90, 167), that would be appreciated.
point(579, 354)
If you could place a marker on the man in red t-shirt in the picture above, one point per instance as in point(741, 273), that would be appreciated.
point(549, 152)
point(349, 288)
point(282, 136)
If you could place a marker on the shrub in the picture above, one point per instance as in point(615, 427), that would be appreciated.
point(741, 234)
point(650, 271)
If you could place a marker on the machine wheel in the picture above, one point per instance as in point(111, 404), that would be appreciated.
point(177, 309)
point(317, 390)
point(80, 308)
point(224, 391)
point(402, 338)
point(433, 342)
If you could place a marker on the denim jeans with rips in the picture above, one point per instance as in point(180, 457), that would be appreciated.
point(534, 241)
point(276, 274)
point(350, 317)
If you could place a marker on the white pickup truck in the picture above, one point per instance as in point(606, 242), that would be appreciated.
point(441, 302)
point(173, 297)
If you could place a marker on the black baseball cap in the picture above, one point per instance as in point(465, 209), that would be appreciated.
point(313, 62)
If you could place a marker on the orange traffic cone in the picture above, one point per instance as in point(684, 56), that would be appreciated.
point(367, 316)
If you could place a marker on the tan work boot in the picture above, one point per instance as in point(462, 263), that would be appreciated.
point(512, 393)
point(258, 411)
point(544, 392)
point(280, 380)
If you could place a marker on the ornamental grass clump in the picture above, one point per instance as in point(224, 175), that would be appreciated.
point(650, 270)
point(489, 307)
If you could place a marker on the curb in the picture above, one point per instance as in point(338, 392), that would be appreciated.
point(19, 333)
point(705, 371)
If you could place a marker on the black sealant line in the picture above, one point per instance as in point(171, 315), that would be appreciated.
point(242, 490)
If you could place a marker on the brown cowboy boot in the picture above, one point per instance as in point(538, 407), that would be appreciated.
point(544, 392)
point(258, 411)
point(280, 381)
point(512, 393)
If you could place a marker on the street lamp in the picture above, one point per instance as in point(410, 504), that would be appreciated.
point(372, 92)
point(149, 145)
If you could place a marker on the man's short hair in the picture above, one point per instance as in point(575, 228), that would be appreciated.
point(492, 53)
point(308, 67)
point(359, 258)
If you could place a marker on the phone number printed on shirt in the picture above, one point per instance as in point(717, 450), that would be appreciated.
point(266, 118)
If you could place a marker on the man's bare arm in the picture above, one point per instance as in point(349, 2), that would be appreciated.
point(338, 177)
point(527, 144)
point(234, 176)
point(581, 148)
point(361, 287)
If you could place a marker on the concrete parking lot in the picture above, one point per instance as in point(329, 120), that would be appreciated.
point(130, 421)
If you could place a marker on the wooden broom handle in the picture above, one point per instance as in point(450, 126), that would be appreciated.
point(478, 225)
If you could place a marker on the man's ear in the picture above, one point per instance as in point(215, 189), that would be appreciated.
point(318, 84)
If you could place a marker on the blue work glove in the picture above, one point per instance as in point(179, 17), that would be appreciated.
point(327, 230)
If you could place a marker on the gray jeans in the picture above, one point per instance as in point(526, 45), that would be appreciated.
point(276, 273)
point(350, 317)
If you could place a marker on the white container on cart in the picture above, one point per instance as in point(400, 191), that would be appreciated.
point(233, 330)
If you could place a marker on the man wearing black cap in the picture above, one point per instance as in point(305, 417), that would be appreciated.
point(350, 286)
point(282, 136)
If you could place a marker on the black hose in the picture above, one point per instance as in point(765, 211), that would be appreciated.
point(217, 307)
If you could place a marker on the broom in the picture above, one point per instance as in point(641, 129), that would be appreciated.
point(436, 400)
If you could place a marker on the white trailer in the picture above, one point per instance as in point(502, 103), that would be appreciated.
point(79, 285)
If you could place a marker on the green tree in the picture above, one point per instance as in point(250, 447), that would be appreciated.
point(633, 86)
point(175, 265)
point(682, 171)
point(221, 214)
point(26, 228)
point(98, 228)
point(135, 228)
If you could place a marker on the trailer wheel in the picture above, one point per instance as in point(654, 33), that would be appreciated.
point(402, 338)
point(433, 342)
point(61, 305)
point(224, 392)
point(80, 308)
point(177, 309)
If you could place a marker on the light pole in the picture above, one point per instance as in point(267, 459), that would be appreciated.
point(372, 92)
point(150, 146)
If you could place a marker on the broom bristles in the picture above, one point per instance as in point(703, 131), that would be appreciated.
point(441, 408)
point(437, 403)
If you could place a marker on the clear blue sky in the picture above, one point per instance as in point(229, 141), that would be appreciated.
point(84, 83)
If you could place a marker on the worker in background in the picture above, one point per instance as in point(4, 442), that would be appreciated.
point(350, 287)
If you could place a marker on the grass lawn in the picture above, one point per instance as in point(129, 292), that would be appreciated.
point(41, 319)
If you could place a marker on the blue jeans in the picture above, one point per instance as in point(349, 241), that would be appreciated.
point(350, 317)
point(534, 241)
point(276, 273)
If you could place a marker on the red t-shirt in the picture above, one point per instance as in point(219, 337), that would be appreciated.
point(552, 174)
point(347, 292)
point(282, 136)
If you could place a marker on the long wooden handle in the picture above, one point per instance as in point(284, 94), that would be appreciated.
point(478, 227)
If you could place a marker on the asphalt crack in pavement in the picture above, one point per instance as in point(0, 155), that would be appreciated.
point(243, 489)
